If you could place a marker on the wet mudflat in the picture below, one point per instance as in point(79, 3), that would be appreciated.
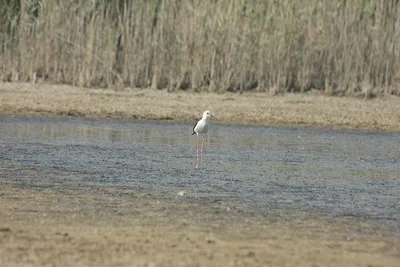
point(299, 178)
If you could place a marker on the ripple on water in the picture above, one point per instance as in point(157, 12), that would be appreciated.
point(342, 173)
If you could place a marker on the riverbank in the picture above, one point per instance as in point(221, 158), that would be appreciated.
point(109, 226)
point(311, 110)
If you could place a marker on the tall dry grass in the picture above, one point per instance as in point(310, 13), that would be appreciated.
point(346, 46)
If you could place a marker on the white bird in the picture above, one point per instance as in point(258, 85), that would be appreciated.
point(201, 128)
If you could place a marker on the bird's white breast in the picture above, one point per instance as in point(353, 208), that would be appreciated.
point(201, 127)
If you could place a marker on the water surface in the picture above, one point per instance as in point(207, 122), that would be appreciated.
point(273, 171)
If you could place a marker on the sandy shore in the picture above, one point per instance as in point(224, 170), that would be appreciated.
point(314, 110)
point(118, 227)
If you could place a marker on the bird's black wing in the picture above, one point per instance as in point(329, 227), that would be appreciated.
point(194, 127)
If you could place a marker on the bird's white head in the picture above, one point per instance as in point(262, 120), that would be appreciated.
point(207, 115)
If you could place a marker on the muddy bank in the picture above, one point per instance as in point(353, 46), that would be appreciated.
point(108, 227)
point(313, 110)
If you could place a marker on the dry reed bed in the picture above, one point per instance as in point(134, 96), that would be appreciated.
point(345, 46)
point(248, 108)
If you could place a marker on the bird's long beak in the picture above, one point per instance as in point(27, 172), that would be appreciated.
point(213, 117)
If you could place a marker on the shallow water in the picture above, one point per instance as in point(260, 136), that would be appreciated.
point(272, 171)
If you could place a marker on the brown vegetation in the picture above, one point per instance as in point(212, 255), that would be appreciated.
point(348, 47)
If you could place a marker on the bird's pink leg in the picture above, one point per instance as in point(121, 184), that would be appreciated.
point(202, 151)
point(197, 151)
